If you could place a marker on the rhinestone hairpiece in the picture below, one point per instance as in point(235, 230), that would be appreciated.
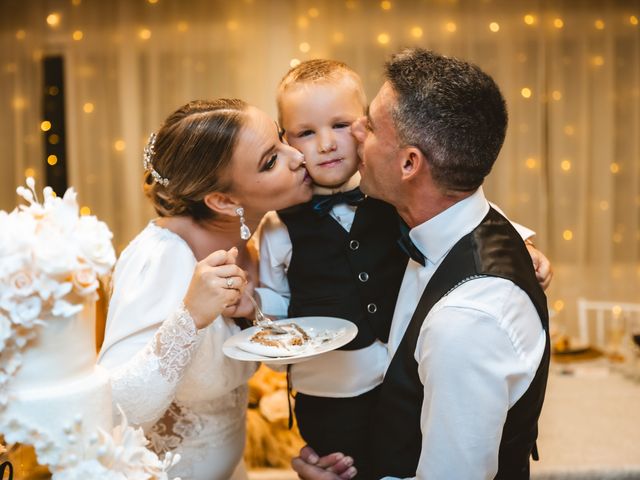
point(149, 152)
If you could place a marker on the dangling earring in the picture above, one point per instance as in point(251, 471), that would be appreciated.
point(245, 233)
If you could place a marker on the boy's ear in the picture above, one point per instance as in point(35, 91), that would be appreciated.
point(221, 203)
point(413, 161)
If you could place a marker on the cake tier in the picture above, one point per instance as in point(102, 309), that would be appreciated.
point(64, 350)
point(53, 409)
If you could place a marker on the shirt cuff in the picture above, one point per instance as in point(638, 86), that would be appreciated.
point(272, 303)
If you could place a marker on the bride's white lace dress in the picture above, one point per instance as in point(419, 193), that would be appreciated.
point(169, 378)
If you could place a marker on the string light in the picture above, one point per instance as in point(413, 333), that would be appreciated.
point(494, 27)
point(87, 107)
point(294, 62)
point(565, 165)
point(53, 19)
point(556, 95)
point(567, 235)
point(569, 130)
point(183, 26)
point(416, 32)
point(84, 211)
point(529, 19)
point(21, 34)
point(558, 23)
point(52, 160)
point(19, 103)
point(531, 163)
point(617, 238)
point(604, 205)
point(526, 92)
point(77, 35)
point(75, 3)
point(45, 126)
point(54, 139)
point(303, 22)
point(450, 27)
point(119, 145)
point(597, 61)
point(614, 167)
point(29, 172)
point(232, 25)
point(599, 24)
point(313, 12)
point(152, 2)
point(144, 34)
point(351, 4)
point(383, 38)
point(338, 37)
point(304, 47)
point(558, 305)
point(633, 20)
point(386, 5)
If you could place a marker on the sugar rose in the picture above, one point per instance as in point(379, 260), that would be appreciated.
point(94, 242)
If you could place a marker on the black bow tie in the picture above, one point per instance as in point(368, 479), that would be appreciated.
point(407, 245)
point(322, 204)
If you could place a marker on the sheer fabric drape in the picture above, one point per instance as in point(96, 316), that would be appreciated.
point(570, 72)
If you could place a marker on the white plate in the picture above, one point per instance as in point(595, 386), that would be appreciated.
point(312, 325)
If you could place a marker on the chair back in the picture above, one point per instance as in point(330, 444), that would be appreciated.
point(598, 321)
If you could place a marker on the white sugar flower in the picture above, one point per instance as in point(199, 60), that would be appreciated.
point(5, 330)
point(94, 241)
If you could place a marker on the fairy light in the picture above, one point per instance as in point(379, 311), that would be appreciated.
point(633, 20)
point(29, 172)
point(386, 5)
point(313, 12)
point(84, 211)
point(119, 145)
point(77, 35)
point(556, 95)
point(45, 125)
point(531, 163)
point(54, 139)
point(569, 130)
point(183, 26)
point(383, 38)
point(604, 205)
point(53, 19)
point(597, 61)
point(558, 23)
point(450, 27)
point(304, 47)
point(53, 90)
point(494, 27)
point(529, 19)
point(567, 235)
point(565, 165)
point(558, 305)
point(21, 34)
point(294, 62)
point(416, 32)
point(232, 25)
point(52, 160)
point(303, 22)
point(144, 34)
point(338, 37)
point(526, 92)
point(614, 167)
point(599, 24)
point(88, 107)
point(19, 103)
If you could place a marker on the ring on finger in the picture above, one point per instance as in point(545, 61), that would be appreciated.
point(229, 282)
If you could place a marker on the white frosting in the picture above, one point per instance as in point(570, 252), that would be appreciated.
point(62, 351)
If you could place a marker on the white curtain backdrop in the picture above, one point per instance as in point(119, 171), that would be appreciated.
point(570, 71)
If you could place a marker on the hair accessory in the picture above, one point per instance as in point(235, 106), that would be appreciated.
point(149, 152)
point(245, 233)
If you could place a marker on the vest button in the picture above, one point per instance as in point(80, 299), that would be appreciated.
point(354, 244)
point(372, 308)
point(363, 276)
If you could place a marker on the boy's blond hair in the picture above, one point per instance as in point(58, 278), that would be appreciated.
point(319, 70)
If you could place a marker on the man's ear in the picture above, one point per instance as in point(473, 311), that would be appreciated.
point(221, 203)
point(413, 162)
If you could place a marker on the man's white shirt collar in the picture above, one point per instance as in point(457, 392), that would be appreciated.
point(435, 237)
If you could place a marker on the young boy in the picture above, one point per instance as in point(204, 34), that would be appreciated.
point(337, 256)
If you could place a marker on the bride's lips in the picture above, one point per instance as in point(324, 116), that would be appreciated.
point(306, 178)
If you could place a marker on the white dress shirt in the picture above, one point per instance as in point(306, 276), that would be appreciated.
point(477, 352)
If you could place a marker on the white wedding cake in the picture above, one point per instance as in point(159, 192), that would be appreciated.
point(52, 394)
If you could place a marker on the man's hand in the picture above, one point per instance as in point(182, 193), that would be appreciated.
point(334, 466)
point(541, 264)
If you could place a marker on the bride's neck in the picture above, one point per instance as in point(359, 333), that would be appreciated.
point(207, 236)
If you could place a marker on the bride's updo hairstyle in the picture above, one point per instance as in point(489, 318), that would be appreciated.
point(189, 155)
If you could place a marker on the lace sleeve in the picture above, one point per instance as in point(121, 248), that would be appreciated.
point(145, 386)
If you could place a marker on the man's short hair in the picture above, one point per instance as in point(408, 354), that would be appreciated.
point(452, 111)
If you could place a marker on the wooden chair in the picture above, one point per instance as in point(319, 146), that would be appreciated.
point(609, 317)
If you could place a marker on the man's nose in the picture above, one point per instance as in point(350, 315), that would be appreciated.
point(358, 130)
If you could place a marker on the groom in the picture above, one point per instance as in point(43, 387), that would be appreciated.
point(469, 355)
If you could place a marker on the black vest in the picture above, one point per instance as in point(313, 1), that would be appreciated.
point(353, 275)
point(493, 248)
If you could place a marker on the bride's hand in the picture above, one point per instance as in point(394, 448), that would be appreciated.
point(243, 308)
point(216, 284)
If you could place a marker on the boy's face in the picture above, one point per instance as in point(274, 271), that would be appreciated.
point(317, 119)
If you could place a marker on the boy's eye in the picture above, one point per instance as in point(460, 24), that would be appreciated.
point(342, 125)
point(269, 164)
point(305, 133)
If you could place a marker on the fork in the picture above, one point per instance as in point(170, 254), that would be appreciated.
point(263, 321)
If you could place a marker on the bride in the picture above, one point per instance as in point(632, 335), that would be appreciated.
point(213, 170)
